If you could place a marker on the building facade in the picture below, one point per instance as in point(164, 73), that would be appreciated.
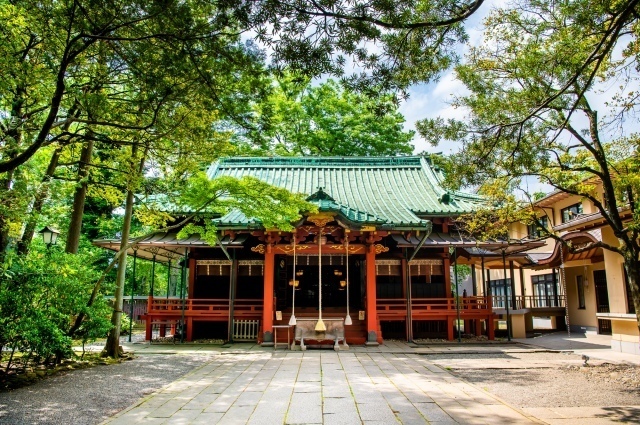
point(379, 251)
point(587, 291)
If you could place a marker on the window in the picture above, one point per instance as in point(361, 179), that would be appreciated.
point(545, 292)
point(498, 289)
point(571, 212)
point(534, 229)
point(580, 287)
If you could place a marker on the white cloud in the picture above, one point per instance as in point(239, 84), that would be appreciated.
point(448, 87)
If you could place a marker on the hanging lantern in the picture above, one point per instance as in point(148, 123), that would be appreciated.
point(299, 273)
point(343, 285)
point(337, 272)
point(294, 283)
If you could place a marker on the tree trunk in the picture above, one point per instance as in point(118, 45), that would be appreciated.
point(112, 348)
point(632, 267)
point(5, 186)
point(38, 202)
point(75, 224)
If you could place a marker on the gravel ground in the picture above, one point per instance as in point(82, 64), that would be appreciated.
point(522, 379)
point(548, 379)
point(89, 396)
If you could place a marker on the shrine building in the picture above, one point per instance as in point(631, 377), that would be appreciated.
point(378, 253)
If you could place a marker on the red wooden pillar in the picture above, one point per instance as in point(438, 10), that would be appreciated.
point(192, 277)
point(449, 328)
point(189, 329)
point(267, 306)
point(148, 327)
point(372, 314)
point(490, 329)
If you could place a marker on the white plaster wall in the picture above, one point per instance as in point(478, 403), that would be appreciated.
point(615, 274)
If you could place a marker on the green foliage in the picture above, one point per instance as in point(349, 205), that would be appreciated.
point(529, 112)
point(40, 295)
point(463, 272)
point(125, 322)
point(116, 67)
point(414, 40)
point(328, 120)
point(273, 207)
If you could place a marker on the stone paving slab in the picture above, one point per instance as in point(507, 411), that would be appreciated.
point(321, 387)
point(405, 379)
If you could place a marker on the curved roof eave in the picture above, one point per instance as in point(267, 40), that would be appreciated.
point(555, 259)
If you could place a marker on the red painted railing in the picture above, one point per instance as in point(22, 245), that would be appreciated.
point(204, 307)
point(398, 307)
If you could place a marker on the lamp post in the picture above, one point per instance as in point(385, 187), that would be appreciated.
point(49, 236)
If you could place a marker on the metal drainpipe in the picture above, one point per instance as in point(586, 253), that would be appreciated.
point(407, 282)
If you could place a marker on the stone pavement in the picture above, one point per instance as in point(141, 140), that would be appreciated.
point(320, 387)
point(397, 382)
point(593, 345)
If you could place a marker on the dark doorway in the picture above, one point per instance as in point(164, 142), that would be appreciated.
point(211, 287)
point(333, 295)
point(602, 300)
point(428, 287)
point(210, 330)
point(334, 277)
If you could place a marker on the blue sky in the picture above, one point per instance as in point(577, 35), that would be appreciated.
point(434, 99)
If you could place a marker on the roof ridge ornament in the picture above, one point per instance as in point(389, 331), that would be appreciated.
point(320, 195)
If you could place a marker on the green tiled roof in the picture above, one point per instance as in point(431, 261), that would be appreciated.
point(385, 191)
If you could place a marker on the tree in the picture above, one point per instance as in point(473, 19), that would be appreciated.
point(414, 40)
point(328, 120)
point(396, 44)
point(67, 67)
point(530, 112)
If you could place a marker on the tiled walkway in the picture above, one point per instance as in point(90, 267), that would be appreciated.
point(318, 387)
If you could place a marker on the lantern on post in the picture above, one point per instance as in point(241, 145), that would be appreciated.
point(49, 236)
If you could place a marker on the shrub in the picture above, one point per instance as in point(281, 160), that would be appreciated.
point(40, 296)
